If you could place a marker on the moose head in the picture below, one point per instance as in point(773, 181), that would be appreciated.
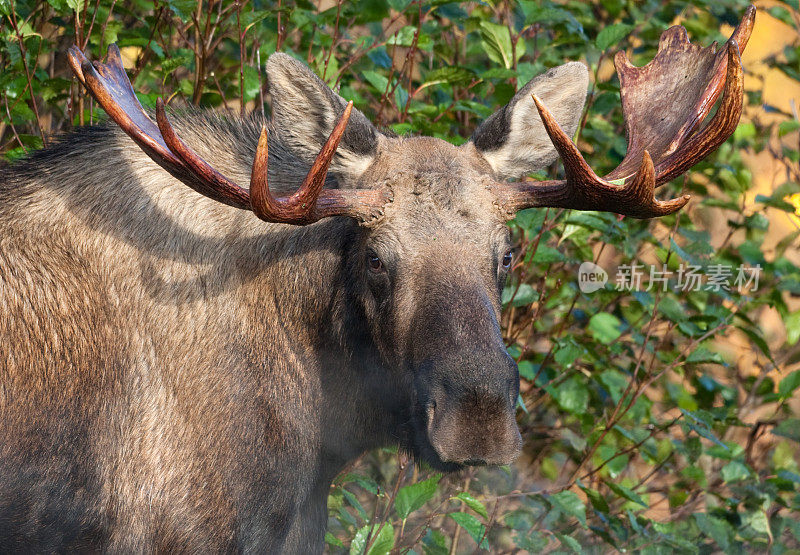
point(429, 250)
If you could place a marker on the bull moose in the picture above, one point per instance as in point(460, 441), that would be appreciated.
point(179, 376)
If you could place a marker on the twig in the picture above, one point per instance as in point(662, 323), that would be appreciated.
point(335, 39)
point(23, 56)
point(402, 462)
point(457, 532)
point(241, 56)
point(281, 30)
point(11, 124)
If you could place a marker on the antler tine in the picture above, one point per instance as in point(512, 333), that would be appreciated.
point(262, 203)
point(315, 179)
point(76, 59)
point(210, 182)
point(109, 85)
point(301, 206)
point(575, 167)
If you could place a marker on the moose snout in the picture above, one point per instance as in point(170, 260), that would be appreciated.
point(476, 424)
point(474, 430)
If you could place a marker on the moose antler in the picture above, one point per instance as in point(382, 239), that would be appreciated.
point(663, 104)
point(110, 86)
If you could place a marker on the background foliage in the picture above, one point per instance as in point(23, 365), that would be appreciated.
point(654, 420)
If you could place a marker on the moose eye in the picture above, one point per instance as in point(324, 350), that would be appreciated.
point(507, 258)
point(375, 264)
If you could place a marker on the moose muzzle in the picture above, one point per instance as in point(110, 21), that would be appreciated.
point(471, 420)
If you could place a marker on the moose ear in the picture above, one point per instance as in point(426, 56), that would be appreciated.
point(305, 110)
point(513, 139)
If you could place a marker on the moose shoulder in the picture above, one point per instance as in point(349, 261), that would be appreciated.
point(178, 375)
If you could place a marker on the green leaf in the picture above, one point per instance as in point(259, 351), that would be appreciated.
point(546, 254)
point(792, 323)
point(786, 127)
point(615, 382)
point(672, 309)
point(530, 220)
point(572, 395)
point(701, 354)
point(612, 35)
point(359, 543)
point(759, 522)
point(75, 5)
point(182, 8)
point(789, 428)
point(412, 497)
point(496, 42)
point(604, 327)
point(699, 425)
point(448, 74)
point(58, 5)
point(355, 503)
point(568, 352)
point(365, 482)
point(596, 499)
point(530, 542)
point(759, 342)
point(434, 543)
point(789, 476)
point(523, 295)
point(112, 31)
point(627, 493)
point(405, 37)
point(472, 503)
point(634, 522)
point(684, 254)
point(248, 19)
point(570, 542)
point(789, 384)
point(384, 541)
point(330, 539)
point(570, 504)
point(171, 64)
point(252, 83)
point(380, 82)
point(550, 16)
point(745, 130)
point(527, 370)
point(472, 525)
point(399, 5)
point(719, 530)
point(734, 471)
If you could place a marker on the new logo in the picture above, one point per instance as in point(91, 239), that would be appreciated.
point(591, 277)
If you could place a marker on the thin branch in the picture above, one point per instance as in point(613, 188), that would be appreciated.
point(24, 56)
